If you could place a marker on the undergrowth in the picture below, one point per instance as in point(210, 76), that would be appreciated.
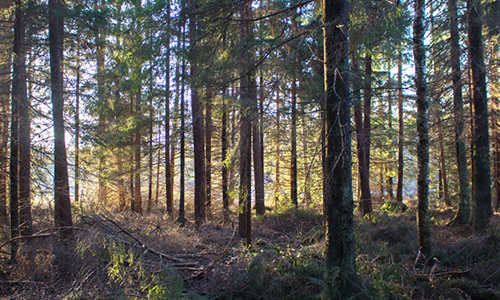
point(286, 261)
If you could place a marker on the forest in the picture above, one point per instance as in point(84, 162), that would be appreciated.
point(265, 149)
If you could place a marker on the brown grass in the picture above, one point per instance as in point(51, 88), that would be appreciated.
point(125, 255)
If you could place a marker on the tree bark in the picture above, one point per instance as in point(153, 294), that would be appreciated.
point(77, 130)
point(100, 58)
point(19, 91)
point(366, 198)
point(442, 159)
point(208, 154)
point(150, 143)
point(137, 200)
point(362, 137)
point(424, 233)
point(399, 188)
point(338, 202)
point(62, 205)
point(389, 166)
point(224, 145)
point(293, 142)
point(277, 182)
point(481, 210)
point(5, 92)
point(247, 98)
point(169, 159)
point(200, 196)
point(258, 166)
point(182, 149)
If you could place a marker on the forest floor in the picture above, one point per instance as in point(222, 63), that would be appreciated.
point(127, 256)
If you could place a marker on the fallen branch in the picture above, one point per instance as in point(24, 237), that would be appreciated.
point(142, 245)
point(40, 234)
point(27, 237)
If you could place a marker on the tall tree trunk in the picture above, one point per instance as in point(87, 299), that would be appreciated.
point(363, 137)
point(225, 183)
point(458, 113)
point(424, 233)
point(77, 130)
point(137, 200)
point(366, 199)
point(132, 170)
point(25, 223)
point(436, 96)
point(338, 202)
point(442, 158)
point(100, 57)
point(305, 157)
point(208, 154)
point(169, 158)
point(293, 142)
point(399, 188)
point(198, 141)
point(62, 205)
point(247, 98)
point(232, 165)
point(497, 168)
point(182, 149)
point(389, 166)
point(481, 211)
point(5, 73)
point(19, 91)
point(258, 166)
point(277, 183)
point(150, 142)
point(358, 123)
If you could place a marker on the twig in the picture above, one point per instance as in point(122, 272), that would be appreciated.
point(452, 273)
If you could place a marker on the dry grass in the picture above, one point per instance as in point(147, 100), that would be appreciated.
point(127, 256)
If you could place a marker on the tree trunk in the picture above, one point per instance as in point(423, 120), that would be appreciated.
point(338, 202)
point(366, 198)
point(293, 142)
point(151, 132)
point(305, 157)
point(19, 94)
point(137, 200)
point(497, 169)
point(232, 165)
point(258, 162)
point(169, 159)
point(100, 58)
point(389, 166)
point(277, 183)
point(198, 136)
point(362, 137)
point(5, 78)
point(225, 183)
point(208, 154)
point(424, 233)
point(62, 205)
point(481, 211)
point(247, 98)
point(77, 130)
point(399, 188)
point(458, 113)
point(358, 123)
point(442, 158)
point(182, 149)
